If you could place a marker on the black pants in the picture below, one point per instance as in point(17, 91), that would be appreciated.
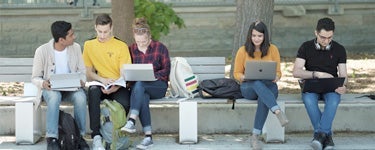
point(95, 96)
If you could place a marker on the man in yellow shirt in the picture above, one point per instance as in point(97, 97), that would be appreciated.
point(104, 56)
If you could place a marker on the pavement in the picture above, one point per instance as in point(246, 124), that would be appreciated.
point(294, 141)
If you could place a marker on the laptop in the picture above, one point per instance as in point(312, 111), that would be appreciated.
point(260, 70)
point(321, 85)
point(138, 72)
point(61, 81)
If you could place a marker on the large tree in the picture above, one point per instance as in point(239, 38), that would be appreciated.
point(123, 15)
point(249, 11)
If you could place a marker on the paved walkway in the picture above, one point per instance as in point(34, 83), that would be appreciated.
point(300, 141)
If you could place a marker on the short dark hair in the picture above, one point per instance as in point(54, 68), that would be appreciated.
point(326, 24)
point(103, 19)
point(59, 29)
point(249, 46)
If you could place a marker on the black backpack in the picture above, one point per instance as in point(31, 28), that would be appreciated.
point(69, 135)
point(220, 88)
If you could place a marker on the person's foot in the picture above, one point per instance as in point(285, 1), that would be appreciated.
point(82, 145)
point(146, 143)
point(328, 144)
point(282, 118)
point(129, 127)
point(97, 143)
point(318, 141)
point(52, 144)
point(256, 144)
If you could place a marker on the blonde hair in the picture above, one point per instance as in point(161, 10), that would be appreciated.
point(140, 26)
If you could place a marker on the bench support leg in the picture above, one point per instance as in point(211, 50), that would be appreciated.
point(272, 130)
point(27, 123)
point(188, 131)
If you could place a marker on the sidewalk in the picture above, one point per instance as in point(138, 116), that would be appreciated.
point(300, 141)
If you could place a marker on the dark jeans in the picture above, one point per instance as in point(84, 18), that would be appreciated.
point(95, 96)
point(141, 94)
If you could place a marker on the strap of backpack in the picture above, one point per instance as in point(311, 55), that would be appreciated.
point(233, 102)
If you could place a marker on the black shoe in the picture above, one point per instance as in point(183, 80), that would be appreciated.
point(52, 144)
point(82, 145)
point(319, 139)
point(328, 144)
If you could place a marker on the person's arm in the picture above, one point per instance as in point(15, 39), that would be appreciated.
point(342, 73)
point(299, 71)
point(37, 71)
point(165, 62)
point(239, 68)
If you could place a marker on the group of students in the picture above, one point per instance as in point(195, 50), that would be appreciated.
point(101, 60)
point(103, 56)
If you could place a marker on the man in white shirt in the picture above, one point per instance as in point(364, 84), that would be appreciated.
point(59, 56)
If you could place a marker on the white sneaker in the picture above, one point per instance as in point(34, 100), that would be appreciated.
point(97, 143)
point(146, 142)
point(129, 127)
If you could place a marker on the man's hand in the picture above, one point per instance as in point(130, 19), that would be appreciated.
point(82, 84)
point(46, 85)
point(341, 90)
point(112, 89)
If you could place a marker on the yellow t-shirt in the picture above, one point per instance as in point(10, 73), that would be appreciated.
point(107, 58)
point(242, 56)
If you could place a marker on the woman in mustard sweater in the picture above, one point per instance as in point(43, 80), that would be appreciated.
point(258, 48)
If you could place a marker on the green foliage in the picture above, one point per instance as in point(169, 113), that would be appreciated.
point(159, 16)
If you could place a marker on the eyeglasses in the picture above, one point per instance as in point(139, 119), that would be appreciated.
point(325, 38)
point(140, 30)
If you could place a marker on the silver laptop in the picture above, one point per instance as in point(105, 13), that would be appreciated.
point(260, 70)
point(69, 80)
point(138, 72)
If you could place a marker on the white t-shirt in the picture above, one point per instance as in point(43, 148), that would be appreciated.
point(61, 62)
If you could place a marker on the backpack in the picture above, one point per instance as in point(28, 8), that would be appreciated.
point(69, 134)
point(183, 82)
point(113, 117)
point(220, 88)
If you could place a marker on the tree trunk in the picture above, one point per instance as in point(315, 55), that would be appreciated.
point(249, 11)
point(123, 16)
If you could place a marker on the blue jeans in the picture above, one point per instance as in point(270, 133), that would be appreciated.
point(53, 100)
point(266, 92)
point(321, 121)
point(141, 93)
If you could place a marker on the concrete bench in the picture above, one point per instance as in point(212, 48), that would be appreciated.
point(214, 115)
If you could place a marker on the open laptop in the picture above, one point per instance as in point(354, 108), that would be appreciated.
point(321, 85)
point(138, 72)
point(69, 80)
point(260, 70)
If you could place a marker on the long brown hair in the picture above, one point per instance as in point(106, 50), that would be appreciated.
point(249, 46)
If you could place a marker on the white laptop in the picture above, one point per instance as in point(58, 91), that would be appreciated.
point(61, 81)
point(260, 70)
point(138, 72)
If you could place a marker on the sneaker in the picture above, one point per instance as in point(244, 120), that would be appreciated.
point(82, 145)
point(256, 144)
point(129, 127)
point(282, 118)
point(97, 143)
point(319, 139)
point(52, 144)
point(328, 144)
point(146, 142)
